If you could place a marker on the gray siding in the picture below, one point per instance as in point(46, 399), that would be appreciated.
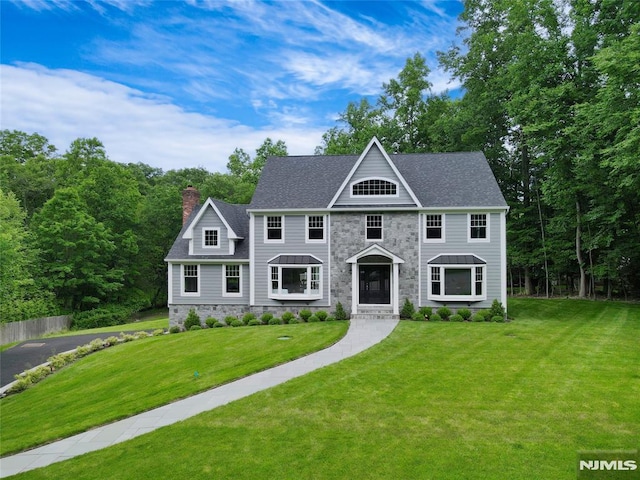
point(294, 243)
point(457, 243)
point(210, 220)
point(210, 286)
point(374, 165)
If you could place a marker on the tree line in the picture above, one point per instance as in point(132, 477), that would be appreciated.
point(550, 92)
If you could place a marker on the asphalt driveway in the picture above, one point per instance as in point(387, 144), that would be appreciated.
point(32, 353)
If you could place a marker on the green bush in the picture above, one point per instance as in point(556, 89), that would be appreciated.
point(498, 318)
point(275, 321)
point(247, 318)
point(236, 323)
point(195, 327)
point(456, 318)
point(476, 317)
point(174, 329)
point(305, 315)
point(96, 344)
point(210, 322)
point(113, 340)
point(330, 318)
point(61, 359)
point(83, 350)
point(418, 317)
point(426, 311)
point(444, 312)
point(497, 310)
point(407, 309)
point(322, 315)
point(486, 314)
point(230, 318)
point(266, 317)
point(192, 319)
point(218, 324)
point(157, 332)
point(19, 385)
point(340, 312)
point(287, 317)
point(313, 318)
point(293, 321)
point(435, 318)
point(253, 322)
point(465, 313)
point(105, 316)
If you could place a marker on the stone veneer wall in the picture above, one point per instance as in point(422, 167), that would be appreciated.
point(401, 236)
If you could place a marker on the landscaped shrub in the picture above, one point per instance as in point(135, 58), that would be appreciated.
point(477, 317)
point(126, 337)
point(275, 321)
point(61, 359)
point(236, 323)
point(330, 318)
point(113, 340)
point(157, 332)
point(195, 327)
point(444, 312)
point(426, 311)
point(287, 317)
point(218, 324)
point(456, 318)
point(407, 309)
point(174, 329)
point(418, 317)
point(210, 322)
point(247, 318)
point(498, 318)
point(293, 321)
point(192, 319)
point(253, 322)
point(322, 315)
point(313, 318)
point(96, 344)
point(486, 314)
point(230, 318)
point(83, 350)
point(106, 316)
point(497, 310)
point(141, 334)
point(266, 317)
point(465, 313)
point(305, 315)
point(340, 312)
point(435, 318)
point(37, 374)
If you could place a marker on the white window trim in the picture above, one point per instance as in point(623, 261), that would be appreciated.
point(442, 239)
point(366, 237)
point(324, 229)
point(360, 180)
point(282, 222)
point(182, 283)
point(457, 298)
point(295, 296)
point(479, 240)
point(204, 233)
point(224, 280)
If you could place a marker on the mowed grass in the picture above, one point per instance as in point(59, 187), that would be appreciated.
point(434, 401)
point(134, 377)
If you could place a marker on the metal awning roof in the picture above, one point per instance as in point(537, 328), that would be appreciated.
point(457, 260)
point(295, 260)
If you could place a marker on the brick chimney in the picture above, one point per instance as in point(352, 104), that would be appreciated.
point(190, 198)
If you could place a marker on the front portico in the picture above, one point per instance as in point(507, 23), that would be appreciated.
point(375, 279)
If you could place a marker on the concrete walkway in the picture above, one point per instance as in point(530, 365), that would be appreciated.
point(361, 335)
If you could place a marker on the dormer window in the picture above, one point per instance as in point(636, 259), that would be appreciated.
point(374, 187)
point(210, 238)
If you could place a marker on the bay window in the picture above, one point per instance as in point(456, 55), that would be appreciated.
point(457, 278)
point(295, 281)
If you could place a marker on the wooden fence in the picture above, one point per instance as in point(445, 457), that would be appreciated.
point(20, 331)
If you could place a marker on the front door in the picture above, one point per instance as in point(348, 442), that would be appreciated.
point(375, 284)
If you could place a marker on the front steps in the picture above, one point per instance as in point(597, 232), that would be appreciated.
point(374, 314)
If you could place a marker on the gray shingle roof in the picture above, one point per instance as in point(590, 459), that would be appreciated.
point(461, 179)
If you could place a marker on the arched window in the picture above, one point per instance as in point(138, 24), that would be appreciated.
point(374, 187)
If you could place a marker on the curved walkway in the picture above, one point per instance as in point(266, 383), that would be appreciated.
point(361, 335)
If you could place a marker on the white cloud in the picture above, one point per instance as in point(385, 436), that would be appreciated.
point(64, 105)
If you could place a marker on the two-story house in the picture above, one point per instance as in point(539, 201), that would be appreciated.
point(368, 231)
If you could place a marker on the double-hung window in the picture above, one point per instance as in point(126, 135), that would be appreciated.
point(295, 277)
point(210, 238)
point(478, 227)
point(457, 278)
point(190, 280)
point(232, 286)
point(274, 229)
point(315, 228)
point(434, 228)
point(373, 227)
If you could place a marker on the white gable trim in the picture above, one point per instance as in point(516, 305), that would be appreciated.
point(188, 234)
point(347, 181)
point(375, 249)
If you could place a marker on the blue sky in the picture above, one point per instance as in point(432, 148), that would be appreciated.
point(182, 84)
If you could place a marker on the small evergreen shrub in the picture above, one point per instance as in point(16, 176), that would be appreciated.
point(444, 312)
point(305, 315)
point(418, 317)
point(61, 359)
point(456, 318)
point(330, 318)
point(322, 315)
point(96, 344)
point(340, 312)
point(113, 340)
point(465, 313)
point(141, 334)
point(253, 322)
point(210, 322)
point(497, 310)
point(106, 316)
point(407, 309)
point(236, 323)
point(293, 321)
point(498, 319)
point(266, 317)
point(157, 332)
point(275, 321)
point(83, 350)
point(476, 317)
point(126, 337)
point(192, 319)
point(313, 318)
point(435, 318)
point(174, 329)
point(195, 327)
point(426, 311)
point(230, 318)
point(287, 317)
point(486, 314)
point(247, 318)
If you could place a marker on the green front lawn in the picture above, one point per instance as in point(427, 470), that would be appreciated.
point(134, 377)
point(434, 400)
